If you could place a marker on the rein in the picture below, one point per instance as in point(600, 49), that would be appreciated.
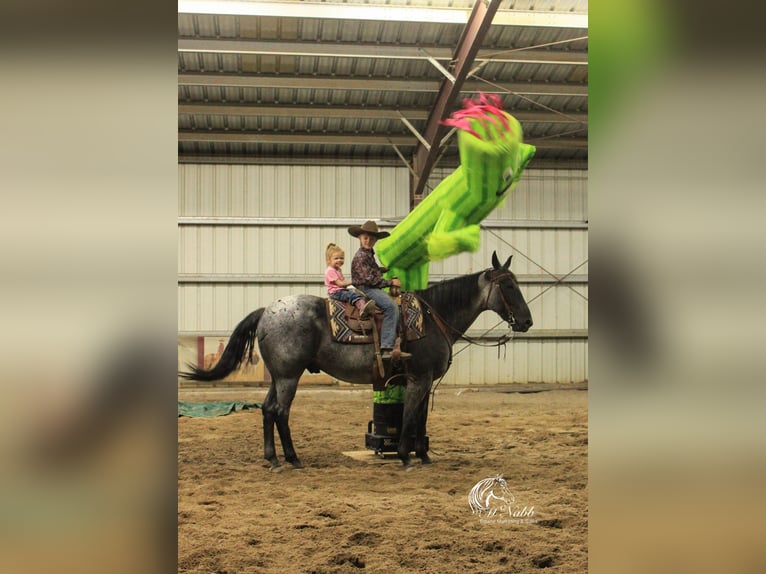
point(446, 328)
point(443, 326)
point(443, 329)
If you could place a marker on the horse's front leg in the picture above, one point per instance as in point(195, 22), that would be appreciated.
point(416, 392)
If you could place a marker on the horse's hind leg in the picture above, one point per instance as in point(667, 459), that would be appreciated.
point(269, 410)
point(285, 392)
point(287, 442)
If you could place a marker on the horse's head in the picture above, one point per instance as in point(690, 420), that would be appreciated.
point(503, 492)
point(504, 296)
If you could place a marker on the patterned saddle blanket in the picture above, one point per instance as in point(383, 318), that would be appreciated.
point(347, 328)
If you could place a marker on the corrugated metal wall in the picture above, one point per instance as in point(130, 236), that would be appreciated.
point(251, 234)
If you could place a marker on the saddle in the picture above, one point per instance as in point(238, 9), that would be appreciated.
point(347, 327)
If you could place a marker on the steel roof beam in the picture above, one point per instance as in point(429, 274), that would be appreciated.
point(374, 51)
point(375, 84)
point(209, 136)
point(293, 138)
point(378, 13)
point(365, 112)
point(468, 46)
point(378, 161)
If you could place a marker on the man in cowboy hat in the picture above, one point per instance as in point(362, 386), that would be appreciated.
point(367, 276)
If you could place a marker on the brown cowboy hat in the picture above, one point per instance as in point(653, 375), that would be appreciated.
point(368, 227)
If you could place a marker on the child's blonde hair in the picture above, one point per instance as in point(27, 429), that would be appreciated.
point(332, 249)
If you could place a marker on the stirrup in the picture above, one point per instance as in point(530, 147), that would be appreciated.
point(387, 355)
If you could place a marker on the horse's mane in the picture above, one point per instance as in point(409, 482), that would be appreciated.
point(452, 293)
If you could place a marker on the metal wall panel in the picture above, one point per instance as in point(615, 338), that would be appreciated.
point(543, 194)
point(230, 267)
point(292, 191)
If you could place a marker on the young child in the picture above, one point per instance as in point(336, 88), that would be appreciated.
point(337, 285)
point(367, 276)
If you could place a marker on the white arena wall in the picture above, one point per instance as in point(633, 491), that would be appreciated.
point(249, 234)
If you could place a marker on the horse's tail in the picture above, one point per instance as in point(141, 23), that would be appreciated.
point(240, 343)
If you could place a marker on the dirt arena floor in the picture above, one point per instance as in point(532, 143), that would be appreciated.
point(363, 513)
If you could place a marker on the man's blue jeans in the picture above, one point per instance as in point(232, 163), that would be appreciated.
point(390, 314)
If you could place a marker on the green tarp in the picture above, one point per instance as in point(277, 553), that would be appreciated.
point(213, 409)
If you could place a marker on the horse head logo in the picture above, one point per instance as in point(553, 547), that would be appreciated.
point(490, 496)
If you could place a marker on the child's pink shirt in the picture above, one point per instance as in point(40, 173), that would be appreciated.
point(330, 276)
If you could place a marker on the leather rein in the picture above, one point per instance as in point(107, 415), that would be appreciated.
point(447, 329)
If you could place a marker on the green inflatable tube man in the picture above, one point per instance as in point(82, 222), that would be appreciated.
point(446, 222)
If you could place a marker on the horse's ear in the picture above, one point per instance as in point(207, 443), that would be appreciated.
point(508, 263)
point(495, 261)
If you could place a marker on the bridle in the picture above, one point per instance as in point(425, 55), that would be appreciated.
point(447, 329)
point(492, 283)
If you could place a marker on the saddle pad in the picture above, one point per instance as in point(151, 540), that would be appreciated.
point(342, 331)
point(339, 324)
point(412, 316)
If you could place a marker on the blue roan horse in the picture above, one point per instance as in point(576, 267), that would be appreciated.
point(294, 335)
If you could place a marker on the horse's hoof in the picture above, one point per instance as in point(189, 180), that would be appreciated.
point(296, 463)
point(277, 468)
point(407, 465)
point(426, 459)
